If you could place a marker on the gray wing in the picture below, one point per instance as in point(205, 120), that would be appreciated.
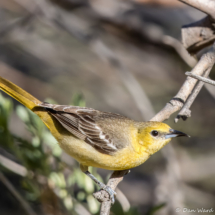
point(80, 122)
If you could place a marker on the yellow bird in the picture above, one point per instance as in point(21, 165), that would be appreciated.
point(94, 138)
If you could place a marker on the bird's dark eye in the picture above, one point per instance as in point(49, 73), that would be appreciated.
point(154, 133)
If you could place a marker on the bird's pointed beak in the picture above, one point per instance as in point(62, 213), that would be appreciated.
point(174, 133)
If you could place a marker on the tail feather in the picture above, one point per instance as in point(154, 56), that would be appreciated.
point(19, 94)
point(32, 103)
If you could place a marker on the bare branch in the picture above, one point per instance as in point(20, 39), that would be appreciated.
point(12, 166)
point(176, 103)
point(180, 49)
point(206, 6)
point(13, 190)
point(200, 78)
point(104, 197)
point(185, 112)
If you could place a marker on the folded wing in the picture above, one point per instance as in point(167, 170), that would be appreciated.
point(80, 122)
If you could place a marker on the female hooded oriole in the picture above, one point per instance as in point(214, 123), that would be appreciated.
point(94, 138)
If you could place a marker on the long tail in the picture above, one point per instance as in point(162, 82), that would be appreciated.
point(19, 94)
point(30, 102)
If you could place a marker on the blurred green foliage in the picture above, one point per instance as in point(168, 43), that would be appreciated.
point(41, 156)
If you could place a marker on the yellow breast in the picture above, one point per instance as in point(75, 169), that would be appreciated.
point(85, 154)
point(126, 158)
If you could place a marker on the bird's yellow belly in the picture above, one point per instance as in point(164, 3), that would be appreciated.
point(85, 154)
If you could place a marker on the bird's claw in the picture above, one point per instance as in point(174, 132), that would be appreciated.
point(111, 192)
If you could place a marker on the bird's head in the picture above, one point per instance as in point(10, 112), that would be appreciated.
point(152, 136)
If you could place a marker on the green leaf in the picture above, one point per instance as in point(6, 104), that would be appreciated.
point(6, 108)
point(58, 179)
point(49, 139)
point(22, 113)
point(68, 202)
point(92, 204)
point(57, 151)
point(88, 184)
point(81, 196)
point(63, 193)
point(35, 141)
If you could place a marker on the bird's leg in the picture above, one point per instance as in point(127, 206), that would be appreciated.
point(110, 191)
point(102, 186)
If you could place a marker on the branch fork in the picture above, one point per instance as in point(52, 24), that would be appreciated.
point(201, 78)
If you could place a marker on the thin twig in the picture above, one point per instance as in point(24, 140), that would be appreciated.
point(185, 112)
point(200, 78)
point(179, 48)
point(21, 200)
point(12, 166)
point(104, 197)
point(176, 103)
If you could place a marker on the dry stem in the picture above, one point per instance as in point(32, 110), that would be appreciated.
point(185, 112)
point(103, 196)
point(176, 103)
point(200, 78)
